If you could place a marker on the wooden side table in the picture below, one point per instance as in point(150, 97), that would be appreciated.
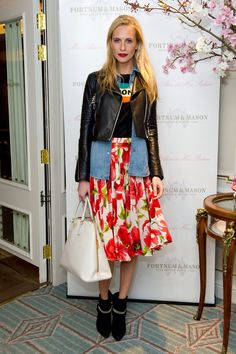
point(218, 220)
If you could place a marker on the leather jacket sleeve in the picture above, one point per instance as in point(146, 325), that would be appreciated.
point(152, 145)
point(86, 127)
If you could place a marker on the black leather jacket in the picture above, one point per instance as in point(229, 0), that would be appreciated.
point(98, 119)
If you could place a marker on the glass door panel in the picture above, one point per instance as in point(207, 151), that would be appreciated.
point(13, 137)
point(14, 228)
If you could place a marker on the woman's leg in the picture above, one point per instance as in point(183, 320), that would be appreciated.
point(126, 275)
point(105, 284)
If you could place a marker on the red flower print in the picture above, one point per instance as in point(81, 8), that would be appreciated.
point(127, 200)
point(114, 205)
point(126, 155)
point(162, 226)
point(138, 249)
point(101, 183)
point(122, 169)
point(114, 155)
point(145, 223)
point(91, 184)
point(122, 252)
point(102, 224)
point(135, 234)
point(112, 169)
point(151, 211)
point(110, 249)
point(97, 205)
point(132, 189)
point(155, 202)
point(155, 232)
point(111, 219)
point(139, 190)
point(124, 235)
point(148, 240)
point(168, 237)
point(132, 252)
point(159, 213)
point(119, 191)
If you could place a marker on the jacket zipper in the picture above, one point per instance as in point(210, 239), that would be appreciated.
point(93, 101)
point(146, 128)
point(116, 116)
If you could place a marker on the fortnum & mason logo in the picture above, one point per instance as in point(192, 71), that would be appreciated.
point(183, 228)
point(158, 46)
point(174, 265)
point(78, 84)
point(194, 157)
point(99, 8)
point(180, 190)
point(178, 116)
point(184, 82)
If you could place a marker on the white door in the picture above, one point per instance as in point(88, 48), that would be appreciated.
point(22, 218)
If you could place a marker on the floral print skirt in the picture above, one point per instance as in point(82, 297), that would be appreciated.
point(128, 216)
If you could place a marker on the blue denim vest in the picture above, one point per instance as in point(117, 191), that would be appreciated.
point(100, 154)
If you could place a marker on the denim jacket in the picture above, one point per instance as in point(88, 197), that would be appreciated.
point(100, 158)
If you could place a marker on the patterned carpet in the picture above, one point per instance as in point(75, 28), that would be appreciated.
point(45, 321)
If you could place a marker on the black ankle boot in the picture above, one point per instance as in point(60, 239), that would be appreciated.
point(118, 321)
point(103, 322)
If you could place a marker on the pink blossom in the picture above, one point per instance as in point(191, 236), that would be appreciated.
point(211, 4)
point(225, 17)
point(226, 32)
point(165, 69)
point(233, 186)
point(170, 47)
point(184, 69)
point(169, 64)
point(232, 39)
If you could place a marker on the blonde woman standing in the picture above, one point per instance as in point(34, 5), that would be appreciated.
point(119, 165)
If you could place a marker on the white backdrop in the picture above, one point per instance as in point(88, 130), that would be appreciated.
point(188, 111)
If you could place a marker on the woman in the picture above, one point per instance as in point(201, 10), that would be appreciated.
point(119, 165)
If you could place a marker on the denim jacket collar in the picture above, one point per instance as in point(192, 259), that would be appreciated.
point(132, 76)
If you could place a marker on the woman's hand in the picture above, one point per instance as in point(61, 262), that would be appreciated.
point(157, 186)
point(83, 189)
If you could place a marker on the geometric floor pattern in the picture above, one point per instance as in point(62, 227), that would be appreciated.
point(46, 321)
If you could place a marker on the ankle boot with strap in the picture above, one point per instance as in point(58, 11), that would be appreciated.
point(119, 314)
point(103, 322)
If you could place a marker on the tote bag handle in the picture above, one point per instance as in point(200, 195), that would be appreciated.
point(86, 204)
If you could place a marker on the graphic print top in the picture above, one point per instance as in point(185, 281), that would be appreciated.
point(124, 123)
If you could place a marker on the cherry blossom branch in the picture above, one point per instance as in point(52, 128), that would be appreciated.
point(191, 13)
point(164, 6)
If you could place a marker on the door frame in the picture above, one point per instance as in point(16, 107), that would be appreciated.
point(57, 148)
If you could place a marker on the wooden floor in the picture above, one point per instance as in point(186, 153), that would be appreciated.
point(17, 276)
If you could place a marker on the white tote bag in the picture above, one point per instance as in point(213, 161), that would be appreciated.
point(83, 254)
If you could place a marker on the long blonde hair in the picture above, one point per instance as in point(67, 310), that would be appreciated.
point(108, 74)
